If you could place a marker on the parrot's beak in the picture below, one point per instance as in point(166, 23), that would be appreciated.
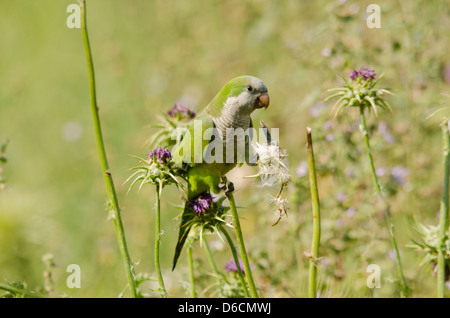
point(262, 100)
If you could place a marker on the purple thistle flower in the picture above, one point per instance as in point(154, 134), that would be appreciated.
point(231, 266)
point(181, 111)
point(364, 73)
point(162, 155)
point(367, 73)
point(202, 203)
point(354, 75)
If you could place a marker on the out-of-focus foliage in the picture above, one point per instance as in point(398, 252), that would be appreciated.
point(149, 55)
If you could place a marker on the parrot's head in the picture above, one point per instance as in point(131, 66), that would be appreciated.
point(242, 95)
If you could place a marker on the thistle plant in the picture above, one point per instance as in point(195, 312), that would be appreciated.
point(436, 253)
point(360, 92)
point(107, 175)
point(172, 126)
point(437, 248)
point(159, 170)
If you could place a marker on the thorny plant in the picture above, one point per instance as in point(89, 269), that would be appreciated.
point(361, 93)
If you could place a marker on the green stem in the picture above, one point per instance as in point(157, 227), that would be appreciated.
point(19, 291)
point(443, 219)
point(316, 218)
point(241, 245)
point(112, 196)
point(236, 261)
point(404, 287)
point(162, 288)
point(211, 261)
point(191, 271)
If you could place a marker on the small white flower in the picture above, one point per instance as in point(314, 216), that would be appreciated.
point(271, 164)
point(272, 169)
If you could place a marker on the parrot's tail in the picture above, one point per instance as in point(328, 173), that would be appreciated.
point(185, 227)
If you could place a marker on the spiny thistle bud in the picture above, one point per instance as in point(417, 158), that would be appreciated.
point(202, 203)
point(181, 112)
point(159, 169)
point(363, 74)
point(360, 92)
point(208, 213)
point(430, 245)
point(161, 155)
point(172, 126)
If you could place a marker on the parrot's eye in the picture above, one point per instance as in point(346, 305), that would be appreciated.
point(249, 88)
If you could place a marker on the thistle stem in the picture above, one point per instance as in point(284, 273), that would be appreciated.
point(211, 261)
point(241, 245)
point(403, 286)
point(443, 218)
point(312, 288)
point(111, 192)
point(19, 291)
point(162, 288)
point(236, 261)
point(191, 272)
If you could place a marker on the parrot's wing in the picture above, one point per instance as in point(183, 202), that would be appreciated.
point(185, 227)
point(194, 142)
point(191, 151)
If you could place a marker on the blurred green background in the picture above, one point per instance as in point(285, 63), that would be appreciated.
point(149, 55)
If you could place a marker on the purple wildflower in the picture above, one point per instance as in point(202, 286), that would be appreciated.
point(400, 174)
point(351, 211)
point(162, 155)
point(341, 196)
point(202, 203)
point(231, 266)
point(181, 111)
point(363, 73)
point(367, 73)
point(380, 172)
point(329, 137)
point(354, 75)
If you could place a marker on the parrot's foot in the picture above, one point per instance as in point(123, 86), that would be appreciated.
point(226, 186)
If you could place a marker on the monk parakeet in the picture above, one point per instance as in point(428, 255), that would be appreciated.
point(217, 124)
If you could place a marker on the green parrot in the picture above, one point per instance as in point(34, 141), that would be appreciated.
point(205, 147)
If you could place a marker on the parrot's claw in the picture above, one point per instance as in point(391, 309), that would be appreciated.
point(226, 186)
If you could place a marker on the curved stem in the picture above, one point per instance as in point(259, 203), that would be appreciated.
point(236, 260)
point(158, 241)
point(111, 192)
point(191, 271)
point(404, 287)
point(443, 218)
point(241, 245)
